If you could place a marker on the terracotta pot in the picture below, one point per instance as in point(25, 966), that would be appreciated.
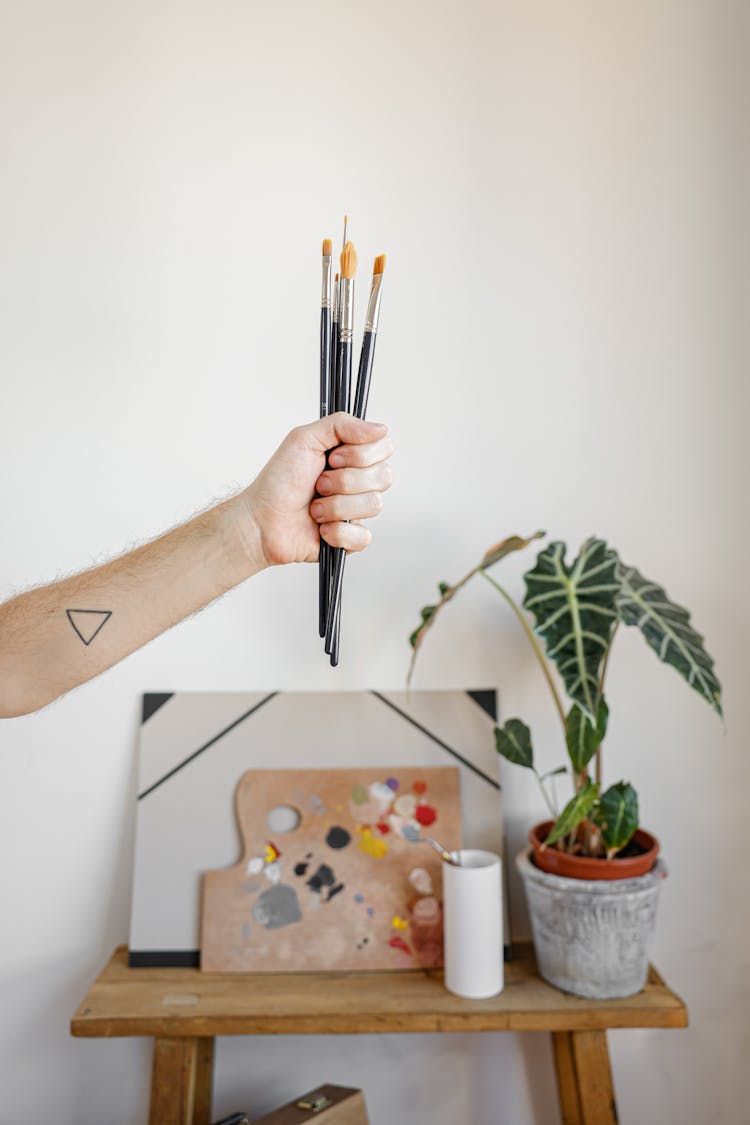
point(584, 867)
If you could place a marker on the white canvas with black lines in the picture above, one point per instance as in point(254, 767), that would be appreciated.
point(194, 747)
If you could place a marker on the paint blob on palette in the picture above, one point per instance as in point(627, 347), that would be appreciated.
point(349, 886)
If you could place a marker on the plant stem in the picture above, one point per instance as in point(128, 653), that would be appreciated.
point(600, 694)
point(532, 640)
point(603, 675)
point(550, 806)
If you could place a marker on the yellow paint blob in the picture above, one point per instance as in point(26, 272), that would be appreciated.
point(372, 845)
point(399, 923)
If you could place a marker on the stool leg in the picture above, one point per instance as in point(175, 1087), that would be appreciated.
point(567, 1081)
point(204, 1076)
point(584, 1078)
point(181, 1081)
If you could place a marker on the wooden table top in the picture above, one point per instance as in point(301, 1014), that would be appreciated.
point(176, 1002)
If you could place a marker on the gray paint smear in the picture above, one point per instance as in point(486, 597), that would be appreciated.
point(277, 907)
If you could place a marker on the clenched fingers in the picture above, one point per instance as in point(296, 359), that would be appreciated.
point(361, 456)
point(350, 536)
point(351, 482)
point(363, 506)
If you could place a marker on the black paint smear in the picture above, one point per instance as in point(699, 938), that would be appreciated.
point(338, 837)
point(301, 868)
point(323, 877)
point(334, 891)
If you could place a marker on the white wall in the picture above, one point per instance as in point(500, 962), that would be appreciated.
point(560, 189)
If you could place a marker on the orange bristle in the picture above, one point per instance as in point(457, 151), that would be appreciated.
point(327, 247)
point(348, 261)
point(379, 266)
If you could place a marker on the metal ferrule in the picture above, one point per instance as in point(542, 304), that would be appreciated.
point(346, 310)
point(335, 302)
point(373, 305)
point(325, 295)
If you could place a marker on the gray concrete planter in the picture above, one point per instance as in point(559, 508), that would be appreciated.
point(592, 937)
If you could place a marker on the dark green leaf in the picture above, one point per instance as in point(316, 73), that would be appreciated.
point(666, 626)
point(617, 816)
point(513, 741)
point(574, 608)
point(582, 737)
point(443, 587)
point(426, 613)
point(576, 810)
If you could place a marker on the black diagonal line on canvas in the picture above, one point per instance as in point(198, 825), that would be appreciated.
point(444, 745)
point(206, 745)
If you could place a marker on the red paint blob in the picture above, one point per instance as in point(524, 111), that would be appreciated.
point(419, 787)
point(384, 828)
point(425, 815)
point(399, 943)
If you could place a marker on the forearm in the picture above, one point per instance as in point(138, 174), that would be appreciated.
point(58, 636)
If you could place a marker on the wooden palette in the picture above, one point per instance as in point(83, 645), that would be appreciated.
point(346, 888)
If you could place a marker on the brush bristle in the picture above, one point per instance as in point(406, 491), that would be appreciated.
point(348, 261)
point(337, 277)
point(327, 247)
point(379, 266)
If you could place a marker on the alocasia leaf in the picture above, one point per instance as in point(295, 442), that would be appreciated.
point(582, 736)
point(576, 810)
point(513, 741)
point(617, 816)
point(666, 626)
point(447, 592)
point(574, 608)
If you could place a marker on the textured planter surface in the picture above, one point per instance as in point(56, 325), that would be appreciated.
point(592, 937)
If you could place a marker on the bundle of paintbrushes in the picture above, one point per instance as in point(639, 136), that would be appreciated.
point(336, 344)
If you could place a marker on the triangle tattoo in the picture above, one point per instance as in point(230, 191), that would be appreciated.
point(88, 622)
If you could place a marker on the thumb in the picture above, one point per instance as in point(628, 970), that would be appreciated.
point(342, 428)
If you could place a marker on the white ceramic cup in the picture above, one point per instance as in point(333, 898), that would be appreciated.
point(473, 924)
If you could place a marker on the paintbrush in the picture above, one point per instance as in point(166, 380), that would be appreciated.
point(335, 404)
point(324, 580)
point(362, 394)
point(346, 332)
point(449, 857)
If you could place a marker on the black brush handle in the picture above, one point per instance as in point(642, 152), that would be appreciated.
point(342, 403)
point(366, 359)
point(325, 408)
point(325, 362)
point(333, 626)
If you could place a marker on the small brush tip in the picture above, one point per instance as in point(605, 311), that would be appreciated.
point(379, 266)
point(337, 277)
point(348, 261)
point(327, 247)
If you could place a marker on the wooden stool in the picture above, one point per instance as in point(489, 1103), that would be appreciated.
point(183, 1009)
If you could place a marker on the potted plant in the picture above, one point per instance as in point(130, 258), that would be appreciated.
point(591, 875)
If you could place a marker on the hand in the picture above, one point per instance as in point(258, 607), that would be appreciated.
point(281, 501)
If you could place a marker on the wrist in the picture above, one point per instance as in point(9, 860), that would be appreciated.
point(244, 538)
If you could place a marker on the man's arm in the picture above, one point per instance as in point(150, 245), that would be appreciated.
point(58, 636)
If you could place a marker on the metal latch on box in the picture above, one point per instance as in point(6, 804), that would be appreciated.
point(315, 1104)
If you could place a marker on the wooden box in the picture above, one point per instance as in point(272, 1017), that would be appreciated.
point(336, 1105)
